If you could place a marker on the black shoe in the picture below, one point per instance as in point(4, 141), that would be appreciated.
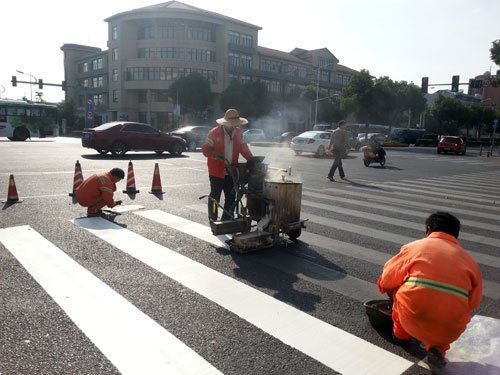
point(435, 357)
point(330, 178)
point(343, 178)
point(397, 340)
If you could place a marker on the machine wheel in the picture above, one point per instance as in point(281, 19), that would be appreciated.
point(438, 151)
point(382, 162)
point(321, 152)
point(294, 234)
point(11, 138)
point(192, 146)
point(118, 148)
point(298, 152)
point(463, 152)
point(176, 149)
point(21, 134)
point(159, 152)
point(102, 152)
point(366, 163)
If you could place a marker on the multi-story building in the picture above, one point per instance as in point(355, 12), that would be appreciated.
point(486, 88)
point(149, 48)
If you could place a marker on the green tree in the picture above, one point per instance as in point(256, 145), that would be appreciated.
point(251, 99)
point(495, 51)
point(358, 96)
point(192, 92)
point(68, 111)
point(449, 112)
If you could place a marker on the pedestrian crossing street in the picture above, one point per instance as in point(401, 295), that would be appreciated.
point(367, 220)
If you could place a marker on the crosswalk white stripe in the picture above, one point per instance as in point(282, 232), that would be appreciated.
point(397, 209)
point(448, 191)
point(456, 185)
point(329, 345)
point(408, 203)
point(483, 184)
point(424, 194)
point(491, 289)
point(398, 222)
point(131, 340)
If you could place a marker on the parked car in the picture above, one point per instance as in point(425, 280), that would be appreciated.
point(194, 135)
point(285, 137)
point(378, 136)
point(254, 135)
point(311, 141)
point(120, 137)
point(451, 144)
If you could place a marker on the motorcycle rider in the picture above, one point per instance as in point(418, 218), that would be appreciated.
point(376, 147)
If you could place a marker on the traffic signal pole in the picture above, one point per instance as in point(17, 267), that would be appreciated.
point(40, 83)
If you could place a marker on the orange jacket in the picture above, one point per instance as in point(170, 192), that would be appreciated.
point(97, 187)
point(215, 143)
point(436, 284)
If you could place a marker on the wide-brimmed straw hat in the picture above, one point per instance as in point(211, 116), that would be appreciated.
point(232, 118)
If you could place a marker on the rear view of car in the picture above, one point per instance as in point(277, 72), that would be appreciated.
point(194, 135)
point(315, 142)
point(254, 135)
point(451, 144)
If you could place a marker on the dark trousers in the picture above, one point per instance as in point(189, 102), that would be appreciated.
point(217, 185)
point(337, 163)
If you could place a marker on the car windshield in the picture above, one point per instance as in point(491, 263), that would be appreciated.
point(450, 139)
point(309, 134)
point(184, 129)
point(105, 126)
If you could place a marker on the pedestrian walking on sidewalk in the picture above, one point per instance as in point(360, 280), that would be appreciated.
point(338, 146)
point(434, 284)
point(97, 191)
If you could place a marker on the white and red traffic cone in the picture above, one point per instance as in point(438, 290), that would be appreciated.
point(77, 179)
point(12, 196)
point(156, 186)
point(130, 180)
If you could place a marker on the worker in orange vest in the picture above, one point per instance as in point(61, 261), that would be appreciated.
point(97, 191)
point(434, 284)
point(224, 143)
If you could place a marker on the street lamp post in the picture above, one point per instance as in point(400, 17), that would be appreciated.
point(31, 86)
point(317, 91)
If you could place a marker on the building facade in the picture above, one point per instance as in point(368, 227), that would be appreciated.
point(486, 88)
point(149, 48)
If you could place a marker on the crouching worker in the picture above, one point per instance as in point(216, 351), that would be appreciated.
point(435, 284)
point(97, 191)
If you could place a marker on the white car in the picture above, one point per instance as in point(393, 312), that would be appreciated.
point(378, 136)
point(254, 135)
point(311, 141)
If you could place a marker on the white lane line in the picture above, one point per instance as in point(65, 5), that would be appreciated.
point(446, 191)
point(468, 181)
point(398, 210)
point(424, 195)
point(456, 185)
point(495, 242)
point(329, 345)
point(131, 340)
point(120, 209)
point(449, 208)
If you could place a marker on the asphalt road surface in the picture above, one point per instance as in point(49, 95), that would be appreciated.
point(151, 291)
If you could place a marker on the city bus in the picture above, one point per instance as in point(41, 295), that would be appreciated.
point(20, 120)
point(406, 135)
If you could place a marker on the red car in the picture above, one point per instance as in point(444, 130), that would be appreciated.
point(120, 137)
point(451, 144)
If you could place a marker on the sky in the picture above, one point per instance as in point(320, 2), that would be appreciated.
point(403, 39)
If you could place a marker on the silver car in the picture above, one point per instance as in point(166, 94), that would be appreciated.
point(315, 142)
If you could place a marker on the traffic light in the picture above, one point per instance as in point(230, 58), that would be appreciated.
point(40, 83)
point(63, 86)
point(14, 81)
point(454, 83)
point(425, 85)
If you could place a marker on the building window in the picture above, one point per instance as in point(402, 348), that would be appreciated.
point(324, 76)
point(265, 65)
point(84, 82)
point(99, 99)
point(83, 67)
point(97, 64)
point(240, 39)
point(115, 96)
point(345, 80)
point(114, 32)
point(114, 55)
point(171, 31)
point(272, 86)
point(159, 96)
point(145, 32)
point(200, 33)
point(115, 75)
point(323, 62)
point(204, 55)
point(211, 75)
point(173, 53)
point(240, 59)
point(142, 97)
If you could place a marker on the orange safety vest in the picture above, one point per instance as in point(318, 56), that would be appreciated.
point(95, 188)
point(215, 143)
point(436, 284)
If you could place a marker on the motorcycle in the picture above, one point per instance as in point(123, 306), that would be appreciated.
point(369, 156)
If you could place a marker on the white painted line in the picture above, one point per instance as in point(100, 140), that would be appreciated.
point(456, 185)
point(329, 345)
point(132, 341)
point(120, 209)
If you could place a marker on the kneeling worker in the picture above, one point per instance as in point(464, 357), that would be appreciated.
point(435, 284)
point(97, 191)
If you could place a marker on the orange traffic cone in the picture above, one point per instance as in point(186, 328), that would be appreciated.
point(130, 180)
point(12, 196)
point(156, 187)
point(77, 179)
